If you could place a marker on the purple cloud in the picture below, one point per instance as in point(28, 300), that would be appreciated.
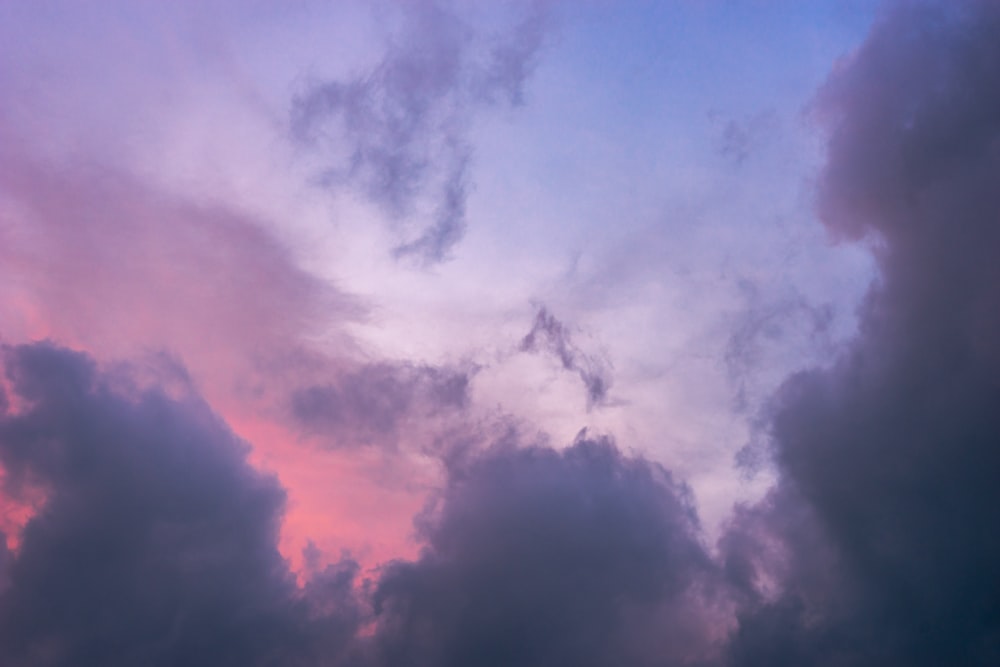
point(372, 404)
point(540, 557)
point(889, 460)
point(402, 128)
point(157, 542)
point(549, 334)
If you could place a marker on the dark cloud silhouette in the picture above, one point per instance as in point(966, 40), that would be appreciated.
point(540, 557)
point(156, 543)
point(549, 334)
point(371, 404)
point(400, 131)
point(887, 511)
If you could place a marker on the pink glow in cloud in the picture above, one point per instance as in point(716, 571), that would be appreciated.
point(103, 256)
point(209, 458)
point(110, 266)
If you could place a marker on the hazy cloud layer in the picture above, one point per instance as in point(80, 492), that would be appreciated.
point(400, 131)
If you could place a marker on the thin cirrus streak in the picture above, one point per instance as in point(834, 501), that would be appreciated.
point(206, 462)
point(549, 332)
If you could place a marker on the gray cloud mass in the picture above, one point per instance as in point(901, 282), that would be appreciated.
point(156, 543)
point(894, 452)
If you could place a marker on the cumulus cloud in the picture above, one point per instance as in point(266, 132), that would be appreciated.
point(156, 543)
point(893, 451)
point(400, 131)
point(540, 557)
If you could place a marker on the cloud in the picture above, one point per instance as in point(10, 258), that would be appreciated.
point(538, 557)
point(766, 328)
point(156, 543)
point(892, 452)
point(400, 131)
point(371, 404)
point(549, 334)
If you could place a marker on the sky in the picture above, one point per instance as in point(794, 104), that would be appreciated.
point(534, 332)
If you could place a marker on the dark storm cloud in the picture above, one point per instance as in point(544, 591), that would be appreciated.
point(540, 557)
point(156, 543)
point(371, 404)
point(400, 131)
point(549, 334)
point(890, 460)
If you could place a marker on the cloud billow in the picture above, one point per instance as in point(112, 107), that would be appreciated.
point(539, 557)
point(156, 543)
point(895, 451)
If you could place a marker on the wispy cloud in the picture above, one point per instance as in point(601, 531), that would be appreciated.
point(400, 131)
point(374, 403)
point(888, 459)
point(549, 334)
